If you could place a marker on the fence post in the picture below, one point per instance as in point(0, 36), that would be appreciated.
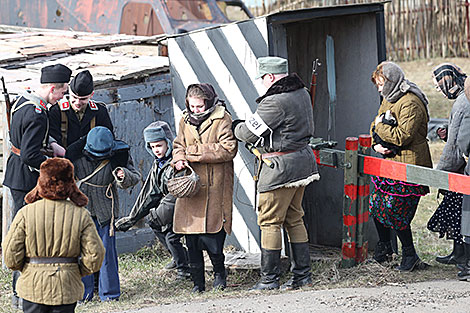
point(363, 185)
point(349, 203)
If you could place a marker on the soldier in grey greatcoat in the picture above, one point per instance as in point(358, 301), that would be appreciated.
point(281, 128)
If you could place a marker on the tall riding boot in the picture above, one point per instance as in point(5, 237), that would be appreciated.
point(464, 274)
point(270, 270)
point(409, 259)
point(197, 276)
point(456, 257)
point(300, 267)
point(220, 275)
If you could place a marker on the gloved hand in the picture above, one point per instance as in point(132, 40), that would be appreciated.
point(235, 123)
point(124, 223)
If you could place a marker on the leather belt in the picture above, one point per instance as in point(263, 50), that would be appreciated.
point(51, 260)
point(273, 154)
point(15, 150)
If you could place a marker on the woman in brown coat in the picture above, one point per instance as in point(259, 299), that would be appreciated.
point(46, 239)
point(399, 133)
point(205, 141)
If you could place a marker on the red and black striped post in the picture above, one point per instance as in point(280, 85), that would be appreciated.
point(363, 190)
point(349, 202)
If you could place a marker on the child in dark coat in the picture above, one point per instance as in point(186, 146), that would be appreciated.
point(102, 163)
point(154, 199)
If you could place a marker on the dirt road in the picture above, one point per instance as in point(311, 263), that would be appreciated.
point(437, 296)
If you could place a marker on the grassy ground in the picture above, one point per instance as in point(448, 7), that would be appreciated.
point(145, 283)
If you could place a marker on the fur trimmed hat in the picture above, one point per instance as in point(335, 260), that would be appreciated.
point(157, 131)
point(56, 182)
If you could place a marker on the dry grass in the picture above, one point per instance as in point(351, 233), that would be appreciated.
point(144, 282)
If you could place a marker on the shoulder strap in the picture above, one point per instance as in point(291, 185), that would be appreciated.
point(64, 125)
point(93, 123)
point(97, 169)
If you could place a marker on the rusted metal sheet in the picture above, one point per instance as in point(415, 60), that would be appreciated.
point(112, 16)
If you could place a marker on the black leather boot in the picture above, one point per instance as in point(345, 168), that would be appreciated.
point(300, 267)
point(456, 257)
point(464, 274)
point(197, 276)
point(270, 270)
point(383, 251)
point(409, 259)
point(220, 275)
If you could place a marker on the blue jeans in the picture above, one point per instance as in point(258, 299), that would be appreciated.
point(109, 288)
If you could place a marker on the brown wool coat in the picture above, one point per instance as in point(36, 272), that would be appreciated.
point(210, 151)
point(52, 228)
point(411, 132)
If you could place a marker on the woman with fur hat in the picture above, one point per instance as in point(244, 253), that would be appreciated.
point(205, 141)
point(393, 203)
point(154, 199)
point(101, 165)
point(46, 239)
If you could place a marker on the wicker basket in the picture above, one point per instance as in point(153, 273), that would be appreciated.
point(184, 186)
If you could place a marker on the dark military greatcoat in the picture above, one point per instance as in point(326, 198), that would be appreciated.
point(64, 120)
point(28, 134)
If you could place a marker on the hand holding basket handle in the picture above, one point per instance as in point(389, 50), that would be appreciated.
point(184, 186)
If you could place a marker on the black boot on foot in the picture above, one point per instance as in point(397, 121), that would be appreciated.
point(220, 274)
point(383, 251)
point(409, 259)
point(197, 276)
point(456, 257)
point(300, 267)
point(270, 270)
point(464, 274)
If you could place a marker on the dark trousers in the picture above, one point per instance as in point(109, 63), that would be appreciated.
point(213, 244)
point(18, 199)
point(31, 307)
point(18, 202)
point(172, 242)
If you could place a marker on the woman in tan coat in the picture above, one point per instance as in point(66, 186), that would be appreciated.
point(205, 141)
point(399, 133)
point(53, 242)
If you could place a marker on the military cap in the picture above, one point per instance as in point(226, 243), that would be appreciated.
point(56, 73)
point(82, 84)
point(271, 65)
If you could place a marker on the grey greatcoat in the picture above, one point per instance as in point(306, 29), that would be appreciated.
point(283, 122)
point(462, 120)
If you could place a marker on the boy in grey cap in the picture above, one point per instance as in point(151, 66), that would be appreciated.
point(281, 128)
point(154, 199)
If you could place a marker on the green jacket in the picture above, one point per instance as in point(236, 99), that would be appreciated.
point(410, 134)
point(52, 228)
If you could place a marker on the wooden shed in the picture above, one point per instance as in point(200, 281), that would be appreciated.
point(129, 77)
point(349, 41)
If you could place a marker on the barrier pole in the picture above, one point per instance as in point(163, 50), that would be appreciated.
point(363, 185)
point(348, 248)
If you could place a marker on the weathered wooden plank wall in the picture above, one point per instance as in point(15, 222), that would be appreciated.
point(414, 28)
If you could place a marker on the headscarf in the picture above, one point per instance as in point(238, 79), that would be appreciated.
point(450, 79)
point(211, 100)
point(396, 85)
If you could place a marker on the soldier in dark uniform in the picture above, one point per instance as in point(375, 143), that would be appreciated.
point(75, 115)
point(29, 132)
point(29, 135)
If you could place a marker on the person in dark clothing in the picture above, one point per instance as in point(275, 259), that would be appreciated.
point(449, 80)
point(29, 136)
point(154, 199)
point(74, 116)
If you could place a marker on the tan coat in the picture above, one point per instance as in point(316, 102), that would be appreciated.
point(411, 132)
point(52, 228)
point(210, 151)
